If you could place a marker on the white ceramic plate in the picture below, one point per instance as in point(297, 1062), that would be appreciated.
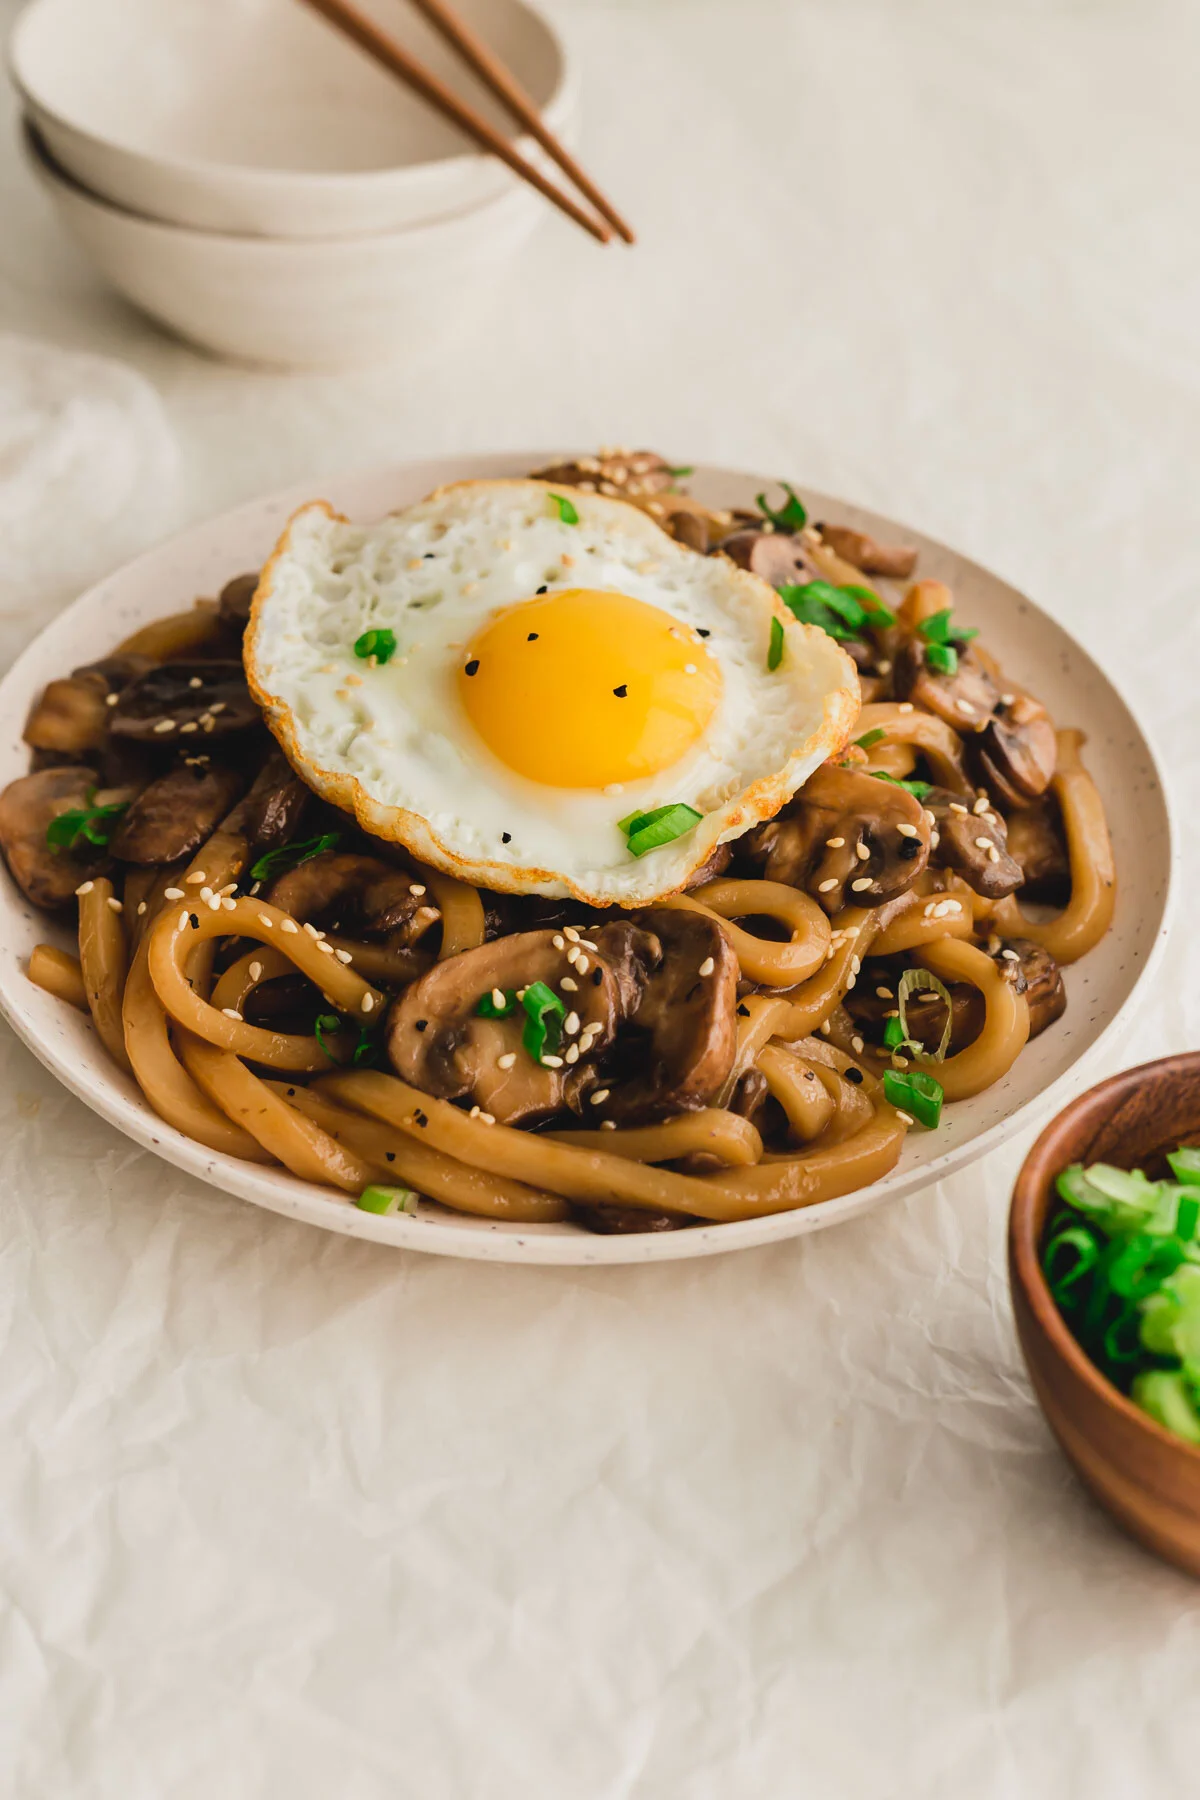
point(1029, 643)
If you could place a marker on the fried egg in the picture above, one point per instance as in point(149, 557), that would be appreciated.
point(503, 677)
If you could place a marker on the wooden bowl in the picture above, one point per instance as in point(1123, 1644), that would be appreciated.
point(1144, 1476)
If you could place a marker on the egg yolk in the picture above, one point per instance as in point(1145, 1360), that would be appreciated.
point(581, 688)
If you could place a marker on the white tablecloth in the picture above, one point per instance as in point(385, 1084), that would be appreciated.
point(282, 1514)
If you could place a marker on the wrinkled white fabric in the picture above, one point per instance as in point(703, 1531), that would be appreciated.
point(282, 1514)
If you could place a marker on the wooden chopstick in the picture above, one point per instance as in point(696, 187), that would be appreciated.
point(367, 35)
point(503, 83)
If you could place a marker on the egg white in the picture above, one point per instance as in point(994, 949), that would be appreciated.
point(393, 744)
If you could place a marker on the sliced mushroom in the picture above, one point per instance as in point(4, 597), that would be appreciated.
point(975, 844)
point(894, 561)
point(870, 1009)
point(71, 717)
point(678, 1048)
point(173, 816)
point(438, 1041)
point(815, 842)
point(1034, 973)
point(47, 877)
point(233, 602)
point(966, 699)
point(622, 474)
point(364, 897)
point(273, 811)
point(117, 671)
point(776, 556)
point(181, 700)
point(1036, 842)
point(1015, 756)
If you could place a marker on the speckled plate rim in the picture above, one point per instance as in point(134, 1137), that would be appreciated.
point(1102, 989)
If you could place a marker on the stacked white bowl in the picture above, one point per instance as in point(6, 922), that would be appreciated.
point(256, 183)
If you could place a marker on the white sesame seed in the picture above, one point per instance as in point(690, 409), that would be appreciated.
point(231, 1012)
point(587, 944)
point(935, 838)
point(570, 933)
point(1010, 955)
point(982, 804)
point(582, 964)
point(1007, 699)
point(196, 877)
point(552, 1062)
point(993, 945)
point(600, 1096)
point(111, 699)
point(689, 668)
point(141, 908)
point(572, 1053)
point(174, 893)
point(215, 903)
point(229, 888)
point(883, 666)
point(498, 1000)
point(269, 923)
point(823, 1027)
point(310, 928)
point(206, 894)
point(195, 682)
point(993, 854)
point(906, 1117)
point(507, 1060)
point(958, 807)
point(474, 1112)
point(218, 706)
point(115, 903)
point(982, 843)
point(856, 1044)
point(886, 993)
point(188, 725)
point(571, 1024)
point(834, 843)
point(343, 956)
point(827, 887)
point(290, 925)
point(559, 941)
point(327, 949)
point(183, 919)
point(569, 986)
point(608, 1124)
point(367, 1003)
point(862, 853)
point(907, 830)
point(255, 971)
point(930, 818)
point(426, 912)
point(85, 887)
point(855, 965)
point(905, 706)
point(707, 966)
point(520, 993)
point(164, 725)
point(418, 888)
point(964, 706)
point(859, 886)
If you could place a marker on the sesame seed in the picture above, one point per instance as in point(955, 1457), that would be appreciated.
point(111, 699)
point(905, 706)
point(993, 854)
point(906, 1117)
point(823, 1027)
point(85, 887)
point(256, 971)
point(196, 876)
point(569, 986)
point(229, 888)
point(570, 933)
point(231, 1012)
point(958, 807)
point(426, 912)
point(930, 818)
point(600, 1096)
point(964, 706)
point(827, 887)
point(571, 1024)
point(269, 923)
point(883, 666)
point(327, 949)
point(520, 993)
point(559, 941)
point(862, 853)
point(608, 1124)
point(689, 668)
point(183, 919)
point(1007, 699)
point(1010, 955)
point(115, 903)
point(906, 830)
point(935, 838)
point(188, 725)
point(707, 966)
point(164, 725)
point(343, 956)
point(174, 893)
point(417, 889)
point(552, 1062)
point(860, 886)
point(206, 894)
point(572, 1053)
point(834, 843)
point(855, 965)
point(141, 908)
point(290, 925)
point(507, 1060)
point(310, 928)
point(982, 804)
point(368, 1003)
point(587, 944)
point(886, 993)
point(982, 843)
point(856, 1044)
point(498, 1000)
point(195, 682)
point(582, 965)
point(474, 1112)
point(215, 903)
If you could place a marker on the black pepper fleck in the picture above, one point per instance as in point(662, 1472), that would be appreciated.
point(597, 977)
point(700, 632)
point(743, 1012)
point(195, 922)
point(621, 691)
point(472, 666)
point(389, 1156)
point(543, 590)
point(854, 1076)
point(420, 1118)
point(532, 638)
point(506, 837)
point(421, 1024)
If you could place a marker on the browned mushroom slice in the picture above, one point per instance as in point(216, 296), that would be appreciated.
point(895, 561)
point(608, 1219)
point(1015, 756)
point(1036, 842)
point(233, 602)
point(872, 1003)
point(117, 671)
point(47, 877)
point(173, 816)
point(966, 699)
point(71, 717)
point(776, 556)
point(974, 844)
point(1034, 973)
point(847, 838)
point(621, 474)
point(273, 811)
point(181, 701)
point(438, 1041)
point(362, 897)
point(678, 1049)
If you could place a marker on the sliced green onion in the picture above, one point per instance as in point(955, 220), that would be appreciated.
point(1187, 1215)
point(326, 1022)
point(893, 1034)
point(789, 517)
point(870, 737)
point(920, 790)
point(938, 629)
point(1080, 1244)
point(379, 643)
point(544, 1013)
point(1171, 1317)
point(876, 613)
point(1163, 1394)
point(94, 824)
point(1185, 1163)
point(290, 856)
point(811, 609)
point(943, 658)
point(682, 472)
point(775, 652)
point(1143, 1264)
point(913, 980)
point(567, 511)
point(649, 831)
point(387, 1201)
point(491, 1008)
point(366, 1052)
point(915, 1093)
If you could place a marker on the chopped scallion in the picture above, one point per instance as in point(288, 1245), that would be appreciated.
point(913, 981)
point(791, 516)
point(290, 856)
point(649, 831)
point(322, 1024)
point(915, 1093)
point(544, 1014)
point(93, 824)
point(870, 738)
point(938, 629)
point(567, 511)
point(775, 650)
point(489, 1008)
point(378, 642)
point(387, 1201)
point(942, 658)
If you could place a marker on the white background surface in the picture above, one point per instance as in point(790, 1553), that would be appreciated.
point(281, 1514)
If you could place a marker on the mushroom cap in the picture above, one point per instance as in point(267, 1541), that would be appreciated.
point(47, 877)
point(814, 843)
point(210, 699)
point(173, 816)
point(966, 840)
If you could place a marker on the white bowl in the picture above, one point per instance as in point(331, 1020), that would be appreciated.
point(302, 303)
point(1030, 644)
point(257, 117)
